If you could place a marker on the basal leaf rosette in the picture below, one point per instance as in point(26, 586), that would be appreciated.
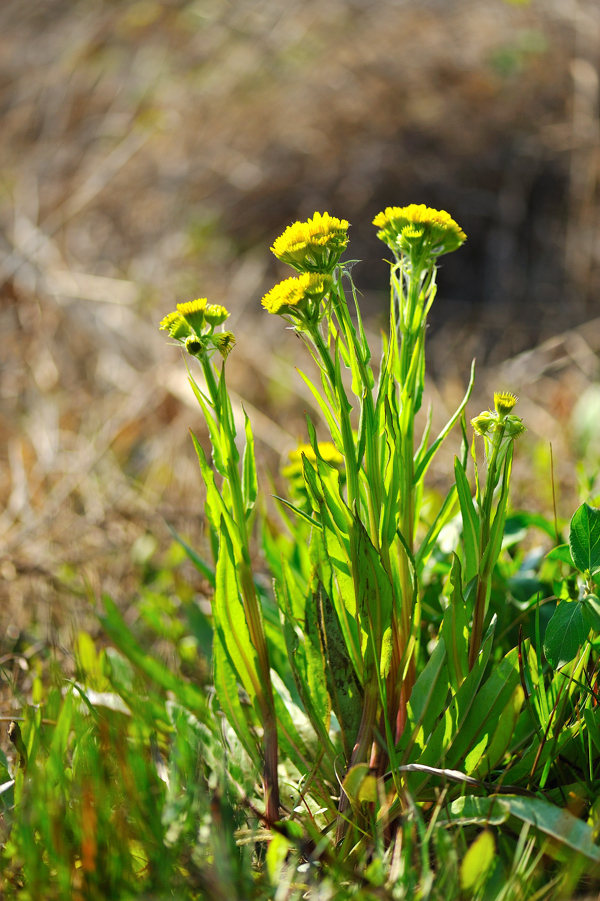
point(193, 325)
point(299, 298)
point(419, 231)
point(313, 246)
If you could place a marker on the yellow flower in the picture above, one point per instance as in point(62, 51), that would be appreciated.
point(298, 297)
point(313, 246)
point(504, 402)
point(176, 326)
point(193, 313)
point(419, 228)
point(294, 472)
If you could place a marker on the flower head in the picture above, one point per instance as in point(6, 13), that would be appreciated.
point(299, 297)
point(176, 326)
point(313, 246)
point(294, 471)
point(193, 313)
point(504, 402)
point(419, 229)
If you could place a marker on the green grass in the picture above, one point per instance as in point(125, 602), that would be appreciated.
point(363, 713)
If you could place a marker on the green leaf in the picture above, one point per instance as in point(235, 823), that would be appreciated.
point(231, 624)
point(503, 736)
point(375, 597)
point(455, 629)
point(342, 683)
point(584, 539)
point(298, 512)
point(558, 824)
point(494, 545)
point(202, 567)
point(478, 861)
point(482, 719)
point(472, 810)
point(591, 609)
point(249, 478)
point(566, 632)
point(430, 454)
point(427, 700)
point(187, 694)
point(470, 521)
point(563, 553)
point(228, 696)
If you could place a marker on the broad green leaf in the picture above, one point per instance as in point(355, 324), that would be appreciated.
point(477, 862)
point(584, 539)
point(344, 688)
point(566, 632)
point(472, 810)
point(562, 553)
point(470, 522)
point(591, 609)
point(558, 824)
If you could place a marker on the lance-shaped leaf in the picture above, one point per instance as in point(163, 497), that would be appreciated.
point(470, 521)
point(231, 624)
point(344, 688)
point(455, 629)
point(249, 477)
point(494, 545)
point(374, 596)
point(226, 687)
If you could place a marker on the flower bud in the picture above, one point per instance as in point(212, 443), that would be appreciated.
point(504, 402)
point(194, 345)
point(215, 314)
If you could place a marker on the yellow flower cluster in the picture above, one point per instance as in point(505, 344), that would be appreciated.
point(419, 229)
point(313, 246)
point(298, 297)
point(293, 472)
point(193, 324)
point(491, 421)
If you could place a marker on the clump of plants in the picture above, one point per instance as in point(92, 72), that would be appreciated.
point(390, 718)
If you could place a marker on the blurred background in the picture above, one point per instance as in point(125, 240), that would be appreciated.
point(151, 151)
